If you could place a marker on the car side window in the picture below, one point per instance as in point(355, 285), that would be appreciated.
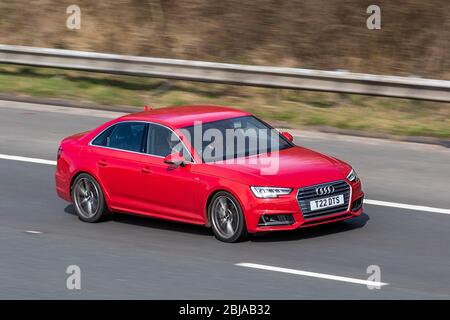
point(129, 136)
point(162, 142)
point(102, 139)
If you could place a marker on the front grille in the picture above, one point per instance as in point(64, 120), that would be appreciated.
point(307, 194)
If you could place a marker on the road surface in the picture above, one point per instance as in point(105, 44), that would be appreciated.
point(141, 258)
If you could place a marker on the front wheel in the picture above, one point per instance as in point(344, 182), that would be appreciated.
point(88, 198)
point(227, 218)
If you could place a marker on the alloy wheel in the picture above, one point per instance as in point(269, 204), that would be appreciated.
point(225, 216)
point(86, 197)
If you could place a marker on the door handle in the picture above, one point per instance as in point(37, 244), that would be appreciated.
point(146, 170)
point(102, 163)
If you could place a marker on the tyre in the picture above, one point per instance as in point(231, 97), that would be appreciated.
point(226, 217)
point(89, 202)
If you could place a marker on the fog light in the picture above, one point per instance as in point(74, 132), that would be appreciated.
point(275, 220)
point(357, 204)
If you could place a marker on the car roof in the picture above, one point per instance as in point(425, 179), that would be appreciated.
point(184, 116)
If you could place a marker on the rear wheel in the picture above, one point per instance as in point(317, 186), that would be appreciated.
point(227, 218)
point(88, 198)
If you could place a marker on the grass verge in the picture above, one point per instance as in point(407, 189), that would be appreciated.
point(290, 108)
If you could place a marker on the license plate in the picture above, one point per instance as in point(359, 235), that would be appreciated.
point(327, 202)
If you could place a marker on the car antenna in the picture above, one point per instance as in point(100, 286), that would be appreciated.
point(147, 108)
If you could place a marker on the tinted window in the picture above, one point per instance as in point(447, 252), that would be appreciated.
point(125, 136)
point(162, 142)
point(234, 138)
point(102, 139)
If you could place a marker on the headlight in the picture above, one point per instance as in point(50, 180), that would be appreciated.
point(270, 192)
point(352, 176)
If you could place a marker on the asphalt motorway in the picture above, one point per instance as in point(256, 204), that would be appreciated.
point(133, 257)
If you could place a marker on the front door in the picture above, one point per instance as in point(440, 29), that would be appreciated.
point(171, 191)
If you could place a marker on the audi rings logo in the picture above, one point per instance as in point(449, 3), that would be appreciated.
point(321, 191)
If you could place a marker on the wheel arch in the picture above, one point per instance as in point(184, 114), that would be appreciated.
point(211, 196)
point(82, 171)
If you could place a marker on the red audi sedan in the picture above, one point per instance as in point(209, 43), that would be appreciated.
point(214, 166)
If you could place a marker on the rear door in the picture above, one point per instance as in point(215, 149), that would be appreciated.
point(120, 154)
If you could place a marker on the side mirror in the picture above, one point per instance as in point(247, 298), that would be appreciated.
point(175, 159)
point(288, 136)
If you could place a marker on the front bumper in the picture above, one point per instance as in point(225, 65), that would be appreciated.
point(288, 205)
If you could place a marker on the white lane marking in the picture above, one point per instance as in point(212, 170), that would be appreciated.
point(311, 274)
point(406, 206)
point(25, 159)
point(33, 232)
point(366, 201)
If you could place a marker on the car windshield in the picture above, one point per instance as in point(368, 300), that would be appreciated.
point(233, 138)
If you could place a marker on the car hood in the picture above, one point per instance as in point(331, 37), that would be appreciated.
point(293, 167)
